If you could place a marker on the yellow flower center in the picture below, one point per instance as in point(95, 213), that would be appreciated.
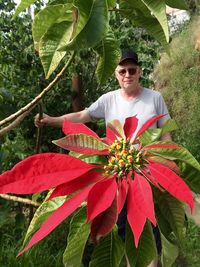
point(123, 157)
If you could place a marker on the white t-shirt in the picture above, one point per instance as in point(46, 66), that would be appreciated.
point(112, 106)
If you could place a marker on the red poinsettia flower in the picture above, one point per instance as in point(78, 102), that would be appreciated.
point(132, 170)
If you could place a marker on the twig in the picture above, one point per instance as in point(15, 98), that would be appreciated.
point(39, 97)
point(12, 125)
point(20, 199)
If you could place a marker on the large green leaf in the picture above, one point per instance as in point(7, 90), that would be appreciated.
point(55, 37)
point(163, 224)
point(140, 13)
point(191, 176)
point(47, 17)
point(150, 136)
point(169, 126)
point(80, 141)
point(158, 9)
point(169, 252)
point(146, 250)
point(91, 26)
point(23, 5)
point(109, 252)
point(173, 212)
point(180, 4)
point(152, 26)
point(42, 213)
point(77, 238)
point(109, 53)
point(175, 154)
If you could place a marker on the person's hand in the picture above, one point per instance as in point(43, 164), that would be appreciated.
point(44, 121)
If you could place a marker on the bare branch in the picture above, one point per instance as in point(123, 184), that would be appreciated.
point(12, 125)
point(39, 97)
point(20, 199)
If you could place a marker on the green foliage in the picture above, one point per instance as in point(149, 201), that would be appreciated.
point(169, 252)
point(89, 25)
point(77, 238)
point(177, 77)
point(47, 253)
point(146, 251)
point(41, 214)
point(189, 255)
point(109, 53)
point(109, 252)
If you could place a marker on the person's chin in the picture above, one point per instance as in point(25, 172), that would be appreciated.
point(128, 85)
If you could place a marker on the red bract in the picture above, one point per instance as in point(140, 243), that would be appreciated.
point(128, 176)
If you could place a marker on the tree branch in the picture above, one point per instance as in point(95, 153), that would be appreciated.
point(39, 97)
point(20, 199)
point(12, 125)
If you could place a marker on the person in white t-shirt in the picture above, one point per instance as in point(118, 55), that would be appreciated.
point(131, 99)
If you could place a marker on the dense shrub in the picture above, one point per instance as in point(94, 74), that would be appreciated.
point(177, 76)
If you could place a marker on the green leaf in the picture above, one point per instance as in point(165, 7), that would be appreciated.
point(175, 154)
point(169, 126)
point(109, 252)
point(109, 53)
point(173, 212)
point(169, 252)
point(80, 141)
point(141, 16)
point(111, 3)
point(146, 250)
point(158, 9)
point(77, 238)
point(191, 176)
point(92, 24)
point(150, 136)
point(55, 37)
point(42, 213)
point(47, 17)
point(22, 6)
point(180, 4)
point(92, 159)
point(152, 27)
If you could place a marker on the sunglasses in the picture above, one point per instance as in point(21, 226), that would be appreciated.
point(131, 71)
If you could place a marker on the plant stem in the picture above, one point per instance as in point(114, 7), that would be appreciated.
point(39, 97)
point(20, 199)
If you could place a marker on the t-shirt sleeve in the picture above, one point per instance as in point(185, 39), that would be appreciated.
point(162, 109)
point(97, 109)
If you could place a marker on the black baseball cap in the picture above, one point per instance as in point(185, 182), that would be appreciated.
point(128, 54)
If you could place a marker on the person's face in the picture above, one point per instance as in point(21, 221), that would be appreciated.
point(128, 75)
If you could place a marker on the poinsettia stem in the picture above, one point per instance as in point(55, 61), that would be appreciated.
point(40, 96)
point(20, 199)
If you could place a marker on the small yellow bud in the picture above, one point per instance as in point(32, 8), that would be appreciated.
point(130, 159)
point(121, 163)
point(112, 159)
point(124, 153)
point(118, 146)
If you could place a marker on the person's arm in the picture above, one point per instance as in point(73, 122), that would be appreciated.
point(166, 137)
point(81, 117)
